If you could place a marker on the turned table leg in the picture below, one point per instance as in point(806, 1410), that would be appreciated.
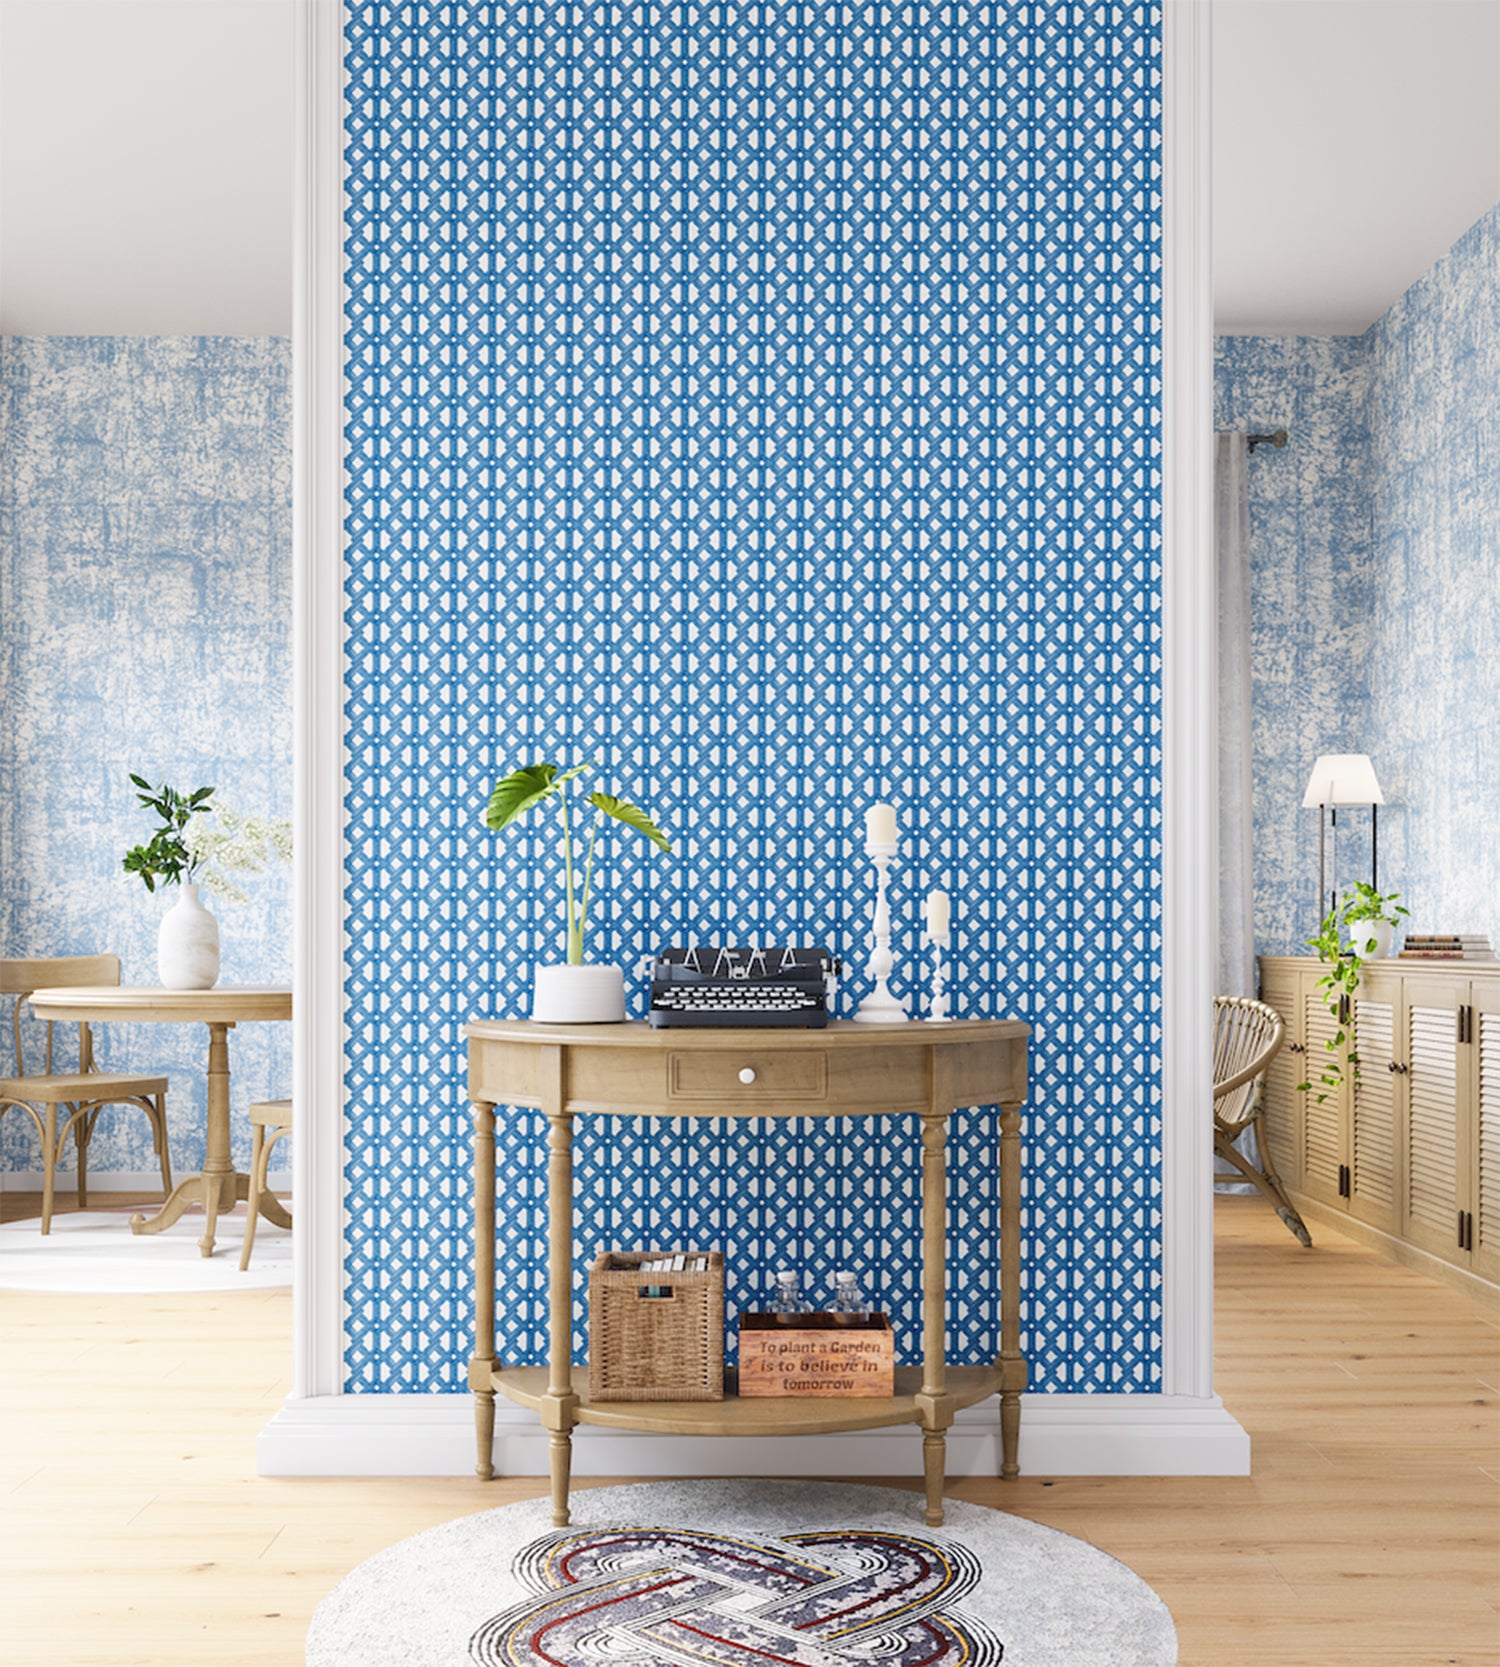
point(561, 1403)
point(933, 1401)
point(482, 1365)
point(1012, 1361)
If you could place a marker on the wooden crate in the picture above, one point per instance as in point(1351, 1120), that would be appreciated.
point(816, 1354)
point(655, 1336)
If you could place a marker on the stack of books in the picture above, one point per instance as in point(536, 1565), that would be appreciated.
point(1446, 946)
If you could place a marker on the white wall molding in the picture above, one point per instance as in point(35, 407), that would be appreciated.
point(318, 1025)
point(1061, 1435)
point(1185, 1430)
point(1189, 857)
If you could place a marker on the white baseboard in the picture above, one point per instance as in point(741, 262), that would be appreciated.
point(111, 1180)
point(1061, 1435)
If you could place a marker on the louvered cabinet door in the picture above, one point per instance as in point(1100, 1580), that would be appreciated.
point(1323, 1143)
point(1373, 1145)
point(1485, 1080)
point(1437, 1135)
point(1281, 1121)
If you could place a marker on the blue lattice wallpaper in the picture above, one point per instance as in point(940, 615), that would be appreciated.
point(145, 586)
point(763, 401)
point(1374, 605)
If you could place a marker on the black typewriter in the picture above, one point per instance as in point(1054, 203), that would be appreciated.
point(734, 987)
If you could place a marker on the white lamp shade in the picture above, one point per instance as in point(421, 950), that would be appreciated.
point(1343, 778)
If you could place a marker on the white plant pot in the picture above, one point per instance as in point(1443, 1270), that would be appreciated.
point(187, 944)
point(586, 995)
point(1360, 933)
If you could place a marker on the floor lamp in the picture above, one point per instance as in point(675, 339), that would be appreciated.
point(1340, 780)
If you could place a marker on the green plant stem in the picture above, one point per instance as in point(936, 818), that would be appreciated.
point(575, 925)
point(588, 875)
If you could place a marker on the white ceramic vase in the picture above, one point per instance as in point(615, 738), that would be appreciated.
point(578, 995)
point(1360, 933)
point(187, 944)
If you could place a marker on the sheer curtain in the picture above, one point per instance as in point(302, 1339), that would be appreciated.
point(1236, 973)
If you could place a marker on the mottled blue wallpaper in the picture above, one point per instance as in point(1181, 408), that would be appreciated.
point(1309, 597)
point(1375, 580)
point(145, 582)
point(1433, 667)
point(764, 400)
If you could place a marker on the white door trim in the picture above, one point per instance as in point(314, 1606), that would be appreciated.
point(1189, 857)
point(1187, 1415)
point(318, 649)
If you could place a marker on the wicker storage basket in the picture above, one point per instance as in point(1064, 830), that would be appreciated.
point(645, 1347)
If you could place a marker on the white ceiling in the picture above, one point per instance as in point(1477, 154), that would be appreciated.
point(146, 152)
point(1355, 141)
point(146, 155)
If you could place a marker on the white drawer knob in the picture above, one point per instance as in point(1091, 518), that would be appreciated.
point(747, 1076)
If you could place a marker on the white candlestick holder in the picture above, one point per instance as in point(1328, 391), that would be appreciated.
point(880, 1007)
point(939, 1014)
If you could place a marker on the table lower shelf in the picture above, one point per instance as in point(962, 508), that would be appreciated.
point(772, 1415)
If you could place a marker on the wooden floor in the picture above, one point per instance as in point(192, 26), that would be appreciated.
point(133, 1530)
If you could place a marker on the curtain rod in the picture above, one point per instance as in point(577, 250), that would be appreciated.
point(1277, 439)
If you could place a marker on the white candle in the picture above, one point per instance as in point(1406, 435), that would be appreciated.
point(937, 914)
point(880, 825)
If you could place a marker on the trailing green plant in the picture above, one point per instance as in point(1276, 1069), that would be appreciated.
point(1341, 947)
point(167, 855)
point(516, 794)
point(1369, 904)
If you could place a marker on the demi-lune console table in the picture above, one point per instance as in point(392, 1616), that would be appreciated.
point(847, 1070)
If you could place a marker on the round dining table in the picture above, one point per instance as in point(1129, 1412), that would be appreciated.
point(219, 1186)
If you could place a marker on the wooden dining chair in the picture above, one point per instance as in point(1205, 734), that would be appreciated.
point(1247, 1037)
point(269, 1121)
point(81, 1094)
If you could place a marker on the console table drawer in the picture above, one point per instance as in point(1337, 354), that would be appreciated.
point(748, 1074)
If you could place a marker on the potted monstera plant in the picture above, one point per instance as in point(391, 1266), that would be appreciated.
point(574, 991)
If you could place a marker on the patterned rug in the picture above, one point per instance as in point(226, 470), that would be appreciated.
point(741, 1574)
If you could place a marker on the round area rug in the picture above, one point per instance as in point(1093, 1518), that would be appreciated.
point(95, 1251)
point(741, 1574)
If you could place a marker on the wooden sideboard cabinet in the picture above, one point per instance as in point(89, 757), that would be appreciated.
point(924, 1071)
point(1408, 1158)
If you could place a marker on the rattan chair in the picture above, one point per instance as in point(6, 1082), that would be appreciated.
point(82, 1094)
point(1247, 1037)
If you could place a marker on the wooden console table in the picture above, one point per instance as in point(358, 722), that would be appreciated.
point(847, 1070)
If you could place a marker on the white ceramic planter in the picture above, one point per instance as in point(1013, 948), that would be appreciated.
point(1360, 933)
point(187, 944)
point(586, 995)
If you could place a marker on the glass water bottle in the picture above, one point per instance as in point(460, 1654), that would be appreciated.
point(848, 1305)
point(786, 1297)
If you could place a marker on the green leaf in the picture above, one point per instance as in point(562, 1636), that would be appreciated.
point(516, 793)
point(632, 816)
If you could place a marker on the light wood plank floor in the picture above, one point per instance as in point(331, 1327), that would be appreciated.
point(133, 1530)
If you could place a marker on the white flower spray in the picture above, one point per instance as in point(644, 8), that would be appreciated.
point(234, 843)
